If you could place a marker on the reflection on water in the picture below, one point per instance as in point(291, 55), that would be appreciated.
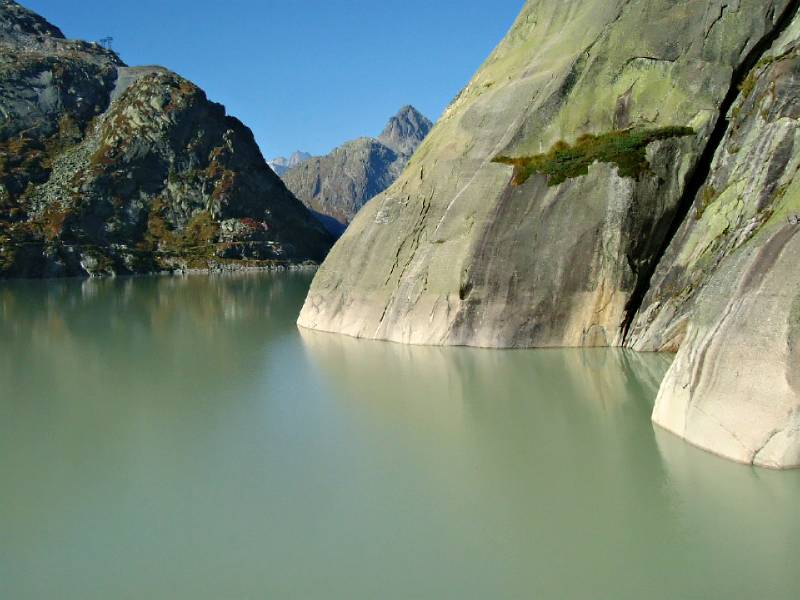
point(180, 438)
point(543, 396)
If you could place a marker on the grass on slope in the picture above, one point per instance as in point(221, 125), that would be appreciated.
point(626, 149)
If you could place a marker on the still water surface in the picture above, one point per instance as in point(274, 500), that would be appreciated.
point(179, 438)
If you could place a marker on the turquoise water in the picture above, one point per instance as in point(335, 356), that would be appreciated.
point(180, 438)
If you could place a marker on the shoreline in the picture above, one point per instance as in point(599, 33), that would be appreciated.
point(215, 269)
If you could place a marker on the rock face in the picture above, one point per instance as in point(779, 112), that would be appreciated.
point(728, 290)
point(106, 169)
point(617, 173)
point(339, 184)
point(455, 253)
point(281, 164)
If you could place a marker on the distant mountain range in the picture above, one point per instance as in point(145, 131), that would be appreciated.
point(281, 164)
point(337, 185)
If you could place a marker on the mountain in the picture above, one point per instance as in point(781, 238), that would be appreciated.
point(337, 185)
point(106, 169)
point(281, 164)
point(619, 173)
point(405, 131)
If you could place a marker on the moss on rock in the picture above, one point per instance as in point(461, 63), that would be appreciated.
point(625, 149)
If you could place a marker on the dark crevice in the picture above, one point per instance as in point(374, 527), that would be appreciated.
point(717, 20)
point(648, 59)
point(702, 169)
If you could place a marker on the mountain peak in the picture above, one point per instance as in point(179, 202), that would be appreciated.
point(16, 20)
point(408, 111)
point(298, 157)
point(338, 184)
point(281, 164)
point(404, 131)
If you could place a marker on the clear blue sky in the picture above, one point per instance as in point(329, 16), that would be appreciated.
point(303, 74)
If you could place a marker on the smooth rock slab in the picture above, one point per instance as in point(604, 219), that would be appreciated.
point(734, 388)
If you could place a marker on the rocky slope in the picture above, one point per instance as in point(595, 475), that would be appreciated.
point(106, 169)
point(281, 164)
point(339, 184)
point(614, 172)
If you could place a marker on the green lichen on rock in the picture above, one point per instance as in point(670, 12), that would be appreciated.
point(707, 195)
point(626, 149)
point(748, 85)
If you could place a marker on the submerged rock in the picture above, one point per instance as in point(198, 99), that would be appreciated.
point(106, 169)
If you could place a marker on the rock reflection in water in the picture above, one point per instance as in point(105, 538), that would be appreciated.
point(180, 437)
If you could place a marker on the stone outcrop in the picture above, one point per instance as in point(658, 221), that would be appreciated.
point(727, 293)
point(734, 387)
point(617, 173)
point(106, 169)
point(337, 185)
point(456, 253)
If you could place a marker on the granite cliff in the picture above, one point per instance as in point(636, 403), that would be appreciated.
point(337, 185)
point(727, 293)
point(106, 169)
point(618, 173)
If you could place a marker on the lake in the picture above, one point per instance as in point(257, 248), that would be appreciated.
point(180, 438)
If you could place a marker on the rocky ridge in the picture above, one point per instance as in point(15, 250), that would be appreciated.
point(106, 169)
point(281, 164)
point(590, 187)
point(337, 185)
